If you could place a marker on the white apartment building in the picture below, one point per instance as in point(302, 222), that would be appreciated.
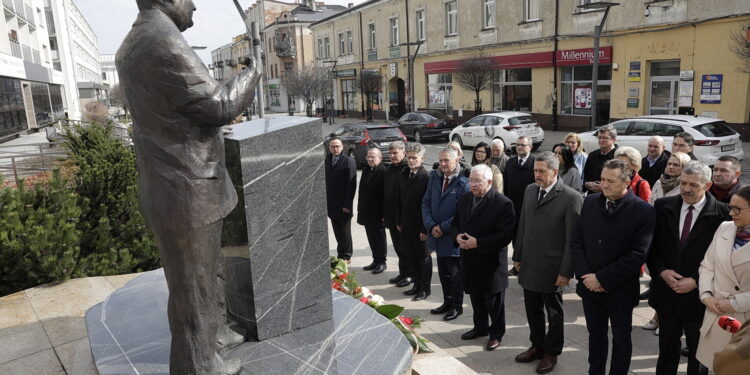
point(30, 90)
point(109, 70)
point(75, 52)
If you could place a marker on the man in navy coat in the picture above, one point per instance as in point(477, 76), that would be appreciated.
point(341, 183)
point(609, 247)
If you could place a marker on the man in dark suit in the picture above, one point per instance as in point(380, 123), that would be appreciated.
point(592, 170)
point(341, 183)
point(485, 221)
point(685, 226)
point(653, 165)
point(542, 256)
point(391, 190)
point(184, 189)
point(409, 218)
point(519, 173)
point(609, 246)
point(370, 209)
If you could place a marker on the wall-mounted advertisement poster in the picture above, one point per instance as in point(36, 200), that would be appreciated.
point(711, 88)
point(583, 97)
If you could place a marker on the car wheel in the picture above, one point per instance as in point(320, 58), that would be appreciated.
point(457, 139)
point(418, 137)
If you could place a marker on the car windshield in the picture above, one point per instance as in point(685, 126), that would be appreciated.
point(384, 133)
point(434, 115)
point(715, 129)
point(521, 120)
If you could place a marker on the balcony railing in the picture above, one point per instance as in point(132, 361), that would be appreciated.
point(15, 48)
point(18, 7)
point(50, 22)
point(27, 55)
point(37, 57)
point(8, 4)
point(29, 15)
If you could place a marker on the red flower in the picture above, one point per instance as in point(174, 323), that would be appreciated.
point(405, 320)
point(364, 300)
point(344, 276)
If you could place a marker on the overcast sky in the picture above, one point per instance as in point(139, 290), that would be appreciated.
point(216, 22)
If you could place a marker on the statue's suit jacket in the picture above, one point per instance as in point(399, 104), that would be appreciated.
point(179, 110)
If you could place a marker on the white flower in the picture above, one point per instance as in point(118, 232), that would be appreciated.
point(376, 300)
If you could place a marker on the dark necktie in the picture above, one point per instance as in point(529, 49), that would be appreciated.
point(542, 193)
point(686, 226)
point(411, 175)
point(520, 162)
point(445, 183)
point(335, 160)
point(610, 206)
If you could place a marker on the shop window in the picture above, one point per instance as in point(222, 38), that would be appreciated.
point(439, 90)
point(275, 98)
point(575, 91)
point(512, 90)
point(349, 95)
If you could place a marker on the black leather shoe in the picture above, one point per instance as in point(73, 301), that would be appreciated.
point(380, 268)
point(370, 266)
point(442, 309)
point(411, 291)
point(404, 282)
point(493, 344)
point(396, 279)
point(452, 314)
point(472, 335)
point(420, 296)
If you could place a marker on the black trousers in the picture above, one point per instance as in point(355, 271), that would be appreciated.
point(599, 315)
point(449, 270)
point(376, 239)
point(536, 304)
point(489, 308)
point(404, 267)
point(342, 229)
point(670, 332)
point(422, 270)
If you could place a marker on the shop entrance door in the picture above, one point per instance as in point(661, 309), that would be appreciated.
point(663, 81)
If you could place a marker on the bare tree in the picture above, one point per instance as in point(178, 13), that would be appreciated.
point(117, 98)
point(740, 45)
point(368, 84)
point(308, 83)
point(476, 75)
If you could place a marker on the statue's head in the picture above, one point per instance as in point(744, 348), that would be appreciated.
point(179, 11)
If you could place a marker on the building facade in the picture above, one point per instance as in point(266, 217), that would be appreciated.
point(31, 91)
point(656, 57)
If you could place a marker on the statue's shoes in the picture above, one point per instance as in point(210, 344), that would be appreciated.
point(230, 335)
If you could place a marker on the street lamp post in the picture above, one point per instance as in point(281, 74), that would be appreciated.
point(595, 68)
point(333, 89)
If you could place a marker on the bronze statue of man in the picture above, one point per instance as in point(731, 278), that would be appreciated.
point(184, 188)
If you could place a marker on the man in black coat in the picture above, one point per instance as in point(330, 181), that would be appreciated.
point(341, 183)
point(685, 226)
point(592, 170)
point(653, 165)
point(519, 173)
point(485, 221)
point(370, 209)
point(609, 247)
point(414, 182)
point(391, 191)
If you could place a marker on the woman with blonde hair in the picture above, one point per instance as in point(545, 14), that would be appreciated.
point(669, 182)
point(638, 185)
point(573, 141)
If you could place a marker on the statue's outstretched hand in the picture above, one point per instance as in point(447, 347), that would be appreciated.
point(249, 62)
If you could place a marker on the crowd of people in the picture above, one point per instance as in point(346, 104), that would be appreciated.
point(603, 218)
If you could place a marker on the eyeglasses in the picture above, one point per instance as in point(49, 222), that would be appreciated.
point(736, 210)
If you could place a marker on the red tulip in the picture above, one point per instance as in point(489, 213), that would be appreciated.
point(405, 320)
point(364, 300)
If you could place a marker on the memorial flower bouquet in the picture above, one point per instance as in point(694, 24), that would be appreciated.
point(345, 282)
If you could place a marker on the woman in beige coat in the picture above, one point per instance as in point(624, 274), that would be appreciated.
point(725, 278)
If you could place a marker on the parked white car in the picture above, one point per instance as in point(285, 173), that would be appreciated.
point(713, 137)
point(506, 126)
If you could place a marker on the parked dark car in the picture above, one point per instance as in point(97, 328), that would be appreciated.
point(359, 138)
point(423, 125)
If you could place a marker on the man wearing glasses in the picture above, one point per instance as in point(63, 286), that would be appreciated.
point(685, 226)
point(593, 169)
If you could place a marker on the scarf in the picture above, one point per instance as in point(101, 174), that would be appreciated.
point(668, 183)
point(742, 237)
point(722, 195)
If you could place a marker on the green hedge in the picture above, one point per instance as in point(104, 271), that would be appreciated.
point(77, 224)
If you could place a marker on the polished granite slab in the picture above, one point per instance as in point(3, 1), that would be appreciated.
point(275, 242)
point(129, 334)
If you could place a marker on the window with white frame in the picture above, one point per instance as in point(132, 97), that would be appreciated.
point(350, 41)
point(451, 18)
point(320, 49)
point(488, 14)
point(371, 33)
point(342, 44)
point(394, 32)
point(420, 25)
point(531, 11)
point(326, 47)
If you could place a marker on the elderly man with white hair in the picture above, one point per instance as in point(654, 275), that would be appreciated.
point(485, 220)
point(499, 158)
